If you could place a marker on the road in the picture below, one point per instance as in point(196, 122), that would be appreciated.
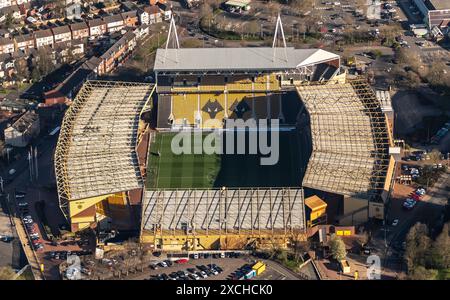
point(427, 211)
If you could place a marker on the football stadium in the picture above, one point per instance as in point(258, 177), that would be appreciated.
point(330, 134)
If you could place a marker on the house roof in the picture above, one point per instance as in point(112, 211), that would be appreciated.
point(25, 121)
point(113, 18)
point(96, 22)
point(152, 9)
point(129, 14)
point(43, 33)
point(24, 37)
point(6, 41)
point(61, 29)
point(78, 26)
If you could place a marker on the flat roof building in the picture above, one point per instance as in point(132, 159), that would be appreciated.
point(435, 12)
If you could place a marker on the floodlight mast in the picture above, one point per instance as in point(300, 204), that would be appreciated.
point(173, 28)
point(279, 26)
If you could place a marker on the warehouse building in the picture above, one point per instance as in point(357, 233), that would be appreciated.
point(434, 12)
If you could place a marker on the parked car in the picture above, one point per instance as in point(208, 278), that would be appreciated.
point(6, 239)
point(163, 264)
point(395, 222)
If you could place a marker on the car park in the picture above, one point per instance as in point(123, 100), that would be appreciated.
point(421, 191)
point(213, 271)
point(163, 264)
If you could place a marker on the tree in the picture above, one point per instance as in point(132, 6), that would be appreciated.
point(337, 247)
point(417, 244)
point(436, 75)
point(253, 28)
point(422, 273)
point(22, 70)
point(440, 250)
point(409, 57)
point(6, 273)
point(302, 6)
point(44, 62)
point(9, 21)
point(435, 156)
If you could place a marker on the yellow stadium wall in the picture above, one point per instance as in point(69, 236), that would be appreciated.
point(102, 203)
point(215, 242)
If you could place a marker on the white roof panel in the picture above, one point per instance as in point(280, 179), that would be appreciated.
point(238, 59)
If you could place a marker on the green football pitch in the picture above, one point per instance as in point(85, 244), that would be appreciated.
point(171, 171)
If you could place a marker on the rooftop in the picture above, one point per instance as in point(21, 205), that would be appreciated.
point(25, 121)
point(349, 136)
point(229, 59)
point(78, 26)
point(96, 152)
point(440, 4)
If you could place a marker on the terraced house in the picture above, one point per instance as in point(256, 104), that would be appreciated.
point(24, 42)
point(6, 45)
point(44, 38)
point(114, 23)
point(62, 34)
point(79, 30)
point(97, 27)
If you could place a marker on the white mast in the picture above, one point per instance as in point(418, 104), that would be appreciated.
point(173, 28)
point(279, 26)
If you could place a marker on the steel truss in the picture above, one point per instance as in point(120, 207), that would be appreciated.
point(96, 154)
point(350, 138)
point(241, 211)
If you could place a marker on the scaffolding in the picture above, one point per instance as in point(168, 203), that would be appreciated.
point(349, 136)
point(96, 150)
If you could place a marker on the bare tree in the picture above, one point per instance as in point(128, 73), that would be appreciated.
point(337, 247)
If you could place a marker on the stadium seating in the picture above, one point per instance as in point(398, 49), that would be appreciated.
point(240, 105)
point(239, 83)
point(185, 83)
point(212, 83)
point(184, 107)
point(212, 108)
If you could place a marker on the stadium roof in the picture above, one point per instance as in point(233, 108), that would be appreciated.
point(238, 59)
point(245, 209)
point(96, 153)
point(349, 136)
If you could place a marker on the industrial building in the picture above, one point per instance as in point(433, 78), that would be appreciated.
point(434, 12)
